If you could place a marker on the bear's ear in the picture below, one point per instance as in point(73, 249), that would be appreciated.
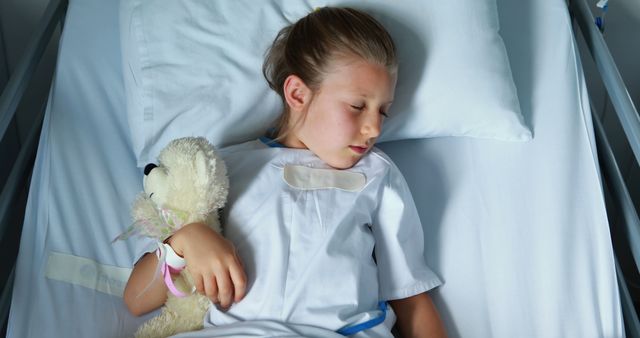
point(201, 167)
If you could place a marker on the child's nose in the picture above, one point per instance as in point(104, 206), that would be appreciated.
point(371, 125)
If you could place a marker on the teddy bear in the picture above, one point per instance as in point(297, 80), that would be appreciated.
point(189, 184)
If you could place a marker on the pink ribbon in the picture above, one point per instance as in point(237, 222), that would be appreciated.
point(167, 270)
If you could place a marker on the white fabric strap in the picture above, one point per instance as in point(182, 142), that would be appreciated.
point(86, 272)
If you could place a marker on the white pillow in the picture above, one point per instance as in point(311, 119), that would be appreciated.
point(194, 68)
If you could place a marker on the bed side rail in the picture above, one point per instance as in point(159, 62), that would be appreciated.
point(19, 80)
point(11, 96)
point(630, 121)
point(622, 199)
point(611, 78)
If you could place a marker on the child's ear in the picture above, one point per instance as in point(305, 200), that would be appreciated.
point(296, 93)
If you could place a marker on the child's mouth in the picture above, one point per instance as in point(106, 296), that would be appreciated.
point(359, 150)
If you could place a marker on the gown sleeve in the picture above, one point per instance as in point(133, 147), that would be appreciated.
point(142, 246)
point(399, 248)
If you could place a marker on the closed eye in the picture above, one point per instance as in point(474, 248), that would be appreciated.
point(359, 108)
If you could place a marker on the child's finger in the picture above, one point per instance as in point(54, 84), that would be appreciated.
point(211, 288)
point(198, 283)
point(225, 290)
point(239, 279)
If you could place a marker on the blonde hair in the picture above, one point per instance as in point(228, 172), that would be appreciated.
point(307, 47)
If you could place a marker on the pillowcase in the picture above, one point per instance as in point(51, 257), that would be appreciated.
point(194, 68)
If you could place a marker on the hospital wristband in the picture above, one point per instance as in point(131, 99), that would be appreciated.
point(171, 257)
point(170, 263)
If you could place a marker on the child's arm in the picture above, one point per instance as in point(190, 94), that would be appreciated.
point(418, 317)
point(211, 260)
point(140, 303)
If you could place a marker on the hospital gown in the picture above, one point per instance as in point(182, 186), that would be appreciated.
point(320, 247)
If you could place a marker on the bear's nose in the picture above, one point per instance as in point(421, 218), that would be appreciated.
point(148, 168)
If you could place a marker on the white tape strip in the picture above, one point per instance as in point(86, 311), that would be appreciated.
point(88, 273)
point(306, 178)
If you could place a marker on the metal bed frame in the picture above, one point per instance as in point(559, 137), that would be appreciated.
point(580, 12)
point(21, 171)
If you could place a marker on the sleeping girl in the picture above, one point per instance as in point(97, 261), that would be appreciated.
point(322, 235)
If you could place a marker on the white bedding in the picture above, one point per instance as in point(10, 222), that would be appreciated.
point(517, 231)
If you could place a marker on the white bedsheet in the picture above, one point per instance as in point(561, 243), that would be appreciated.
point(517, 231)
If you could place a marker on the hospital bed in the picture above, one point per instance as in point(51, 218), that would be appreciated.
point(517, 231)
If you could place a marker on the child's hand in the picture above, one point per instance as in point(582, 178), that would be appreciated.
point(212, 262)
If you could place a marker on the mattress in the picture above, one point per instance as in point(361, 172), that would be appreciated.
point(517, 231)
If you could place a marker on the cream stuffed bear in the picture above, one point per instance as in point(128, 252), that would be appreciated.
point(188, 185)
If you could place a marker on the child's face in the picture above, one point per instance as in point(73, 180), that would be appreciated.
point(345, 116)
